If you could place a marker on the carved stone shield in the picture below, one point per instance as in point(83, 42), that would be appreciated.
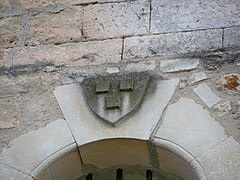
point(113, 97)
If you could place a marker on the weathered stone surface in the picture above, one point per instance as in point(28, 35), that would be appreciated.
point(9, 31)
point(171, 43)
point(222, 109)
point(116, 20)
point(225, 160)
point(113, 70)
point(44, 3)
point(140, 66)
point(182, 15)
point(206, 95)
point(5, 4)
point(56, 28)
point(231, 37)
point(175, 65)
point(119, 151)
point(1, 57)
point(68, 167)
point(7, 173)
point(196, 77)
point(190, 126)
point(28, 151)
point(76, 54)
point(83, 122)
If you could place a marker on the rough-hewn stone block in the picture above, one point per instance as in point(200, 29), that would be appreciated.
point(1, 57)
point(4, 4)
point(171, 43)
point(181, 15)
point(44, 3)
point(61, 27)
point(74, 54)
point(116, 20)
point(9, 31)
point(231, 37)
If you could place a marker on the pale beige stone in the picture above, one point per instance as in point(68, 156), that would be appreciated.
point(5, 4)
point(222, 161)
point(83, 122)
point(108, 20)
point(118, 152)
point(10, 28)
point(176, 65)
point(182, 15)
point(196, 77)
point(204, 92)
point(190, 126)
point(28, 151)
point(173, 164)
point(29, 4)
point(172, 43)
point(46, 175)
point(74, 54)
point(7, 173)
point(56, 28)
point(140, 66)
point(68, 167)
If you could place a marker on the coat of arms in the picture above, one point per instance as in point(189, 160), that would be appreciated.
point(114, 97)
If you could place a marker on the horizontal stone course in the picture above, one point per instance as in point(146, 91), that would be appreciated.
point(5, 4)
point(109, 20)
point(231, 37)
point(74, 54)
point(10, 28)
point(44, 3)
point(56, 28)
point(182, 15)
point(171, 43)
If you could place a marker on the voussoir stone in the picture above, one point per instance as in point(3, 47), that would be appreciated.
point(222, 161)
point(172, 43)
point(175, 65)
point(189, 125)
point(10, 28)
point(182, 15)
point(7, 173)
point(73, 54)
point(26, 152)
point(56, 28)
point(116, 20)
point(140, 124)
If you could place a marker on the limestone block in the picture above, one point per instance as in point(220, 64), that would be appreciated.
point(9, 31)
point(231, 37)
point(118, 152)
point(7, 173)
point(56, 28)
point(170, 43)
point(206, 95)
point(5, 4)
point(1, 57)
point(103, 21)
point(196, 77)
point(140, 124)
point(182, 15)
point(190, 126)
point(112, 70)
point(68, 167)
point(29, 4)
point(76, 54)
point(140, 66)
point(222, 161)
point(28, 151)
point(175, 65)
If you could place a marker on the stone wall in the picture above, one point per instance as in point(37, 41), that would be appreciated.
point(47, 43)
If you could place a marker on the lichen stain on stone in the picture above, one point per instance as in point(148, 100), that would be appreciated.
point(232, 82)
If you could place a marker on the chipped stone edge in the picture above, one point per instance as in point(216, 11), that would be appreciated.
point(195, 166)
point(45, 164)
